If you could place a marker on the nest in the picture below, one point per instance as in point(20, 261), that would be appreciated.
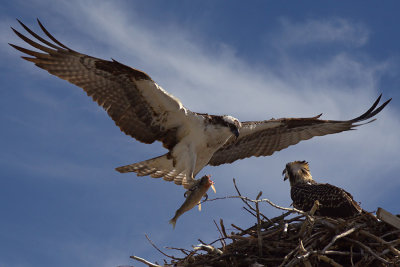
point(297, 240)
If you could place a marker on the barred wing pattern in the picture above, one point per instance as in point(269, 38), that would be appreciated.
point(263, 138)
point(138, 106)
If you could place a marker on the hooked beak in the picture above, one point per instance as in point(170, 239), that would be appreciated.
point(285, 174)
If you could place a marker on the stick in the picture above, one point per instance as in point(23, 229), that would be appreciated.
point(221, 222)
point(184, 251)
point(260, 200)
point(336, 237)
point(367, 249)
point(237, 190)
point(309, 220)
point(208, 248)
point(154, 246)
point(259, 226)
point(249, 211)
point(237, 227)
point(222, 236)
point(380, 240)
point(329, 260)
point(351, 255)
point(145, 261)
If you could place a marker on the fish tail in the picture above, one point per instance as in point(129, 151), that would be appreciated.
point(173, 222)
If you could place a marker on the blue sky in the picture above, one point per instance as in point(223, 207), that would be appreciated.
point(62, 203)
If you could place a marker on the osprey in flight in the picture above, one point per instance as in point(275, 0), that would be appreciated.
point(334, 201)
point(146, 112)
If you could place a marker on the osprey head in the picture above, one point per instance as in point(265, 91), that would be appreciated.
point(233, 124)
point(297, 172)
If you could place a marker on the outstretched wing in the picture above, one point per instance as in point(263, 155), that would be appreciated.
point(140, 107)
point(263, 138)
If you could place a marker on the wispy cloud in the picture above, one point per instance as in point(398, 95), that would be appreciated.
point(322, 31)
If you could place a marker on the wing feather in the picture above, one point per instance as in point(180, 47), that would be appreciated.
point(263, 138)
point(138, 106)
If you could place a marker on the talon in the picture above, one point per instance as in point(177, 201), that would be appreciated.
point(206, 197)
point(185, 195)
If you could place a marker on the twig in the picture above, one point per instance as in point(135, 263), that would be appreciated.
point(380, 240)
point(219, 239)
point(260, 200)
point(329, 260)
point(307, 263)
point(154, 246)
point(310, 220)
point(221, 223)
point(249, 211)
point(208, 248)
point(351, 255)
point(242, 237)
point(222, 236)
point(201, 241)
point(145, 261)
point(342, 253)
point(237, 227)
point(336, 237)
point(259, 226)
point(285, 259)
point(244, 201)
point(240, 195)
point(184, 251)
point(367, 249)
point(390, 233)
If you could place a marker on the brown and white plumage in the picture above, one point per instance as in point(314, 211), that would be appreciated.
point(263, 138)
point(334, 201)
point(139, 107)
point(144, 111)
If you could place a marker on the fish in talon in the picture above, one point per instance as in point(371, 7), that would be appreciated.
point(193, 197)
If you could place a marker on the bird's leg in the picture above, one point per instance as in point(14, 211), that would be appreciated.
point(191, 164)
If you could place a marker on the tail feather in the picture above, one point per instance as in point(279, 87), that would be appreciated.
point(158, 167)
point(148, 167)
point(158, 174)
point(170, 176)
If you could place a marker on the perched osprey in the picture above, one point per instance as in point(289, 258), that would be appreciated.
point(334, 201)
point(143, 110)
